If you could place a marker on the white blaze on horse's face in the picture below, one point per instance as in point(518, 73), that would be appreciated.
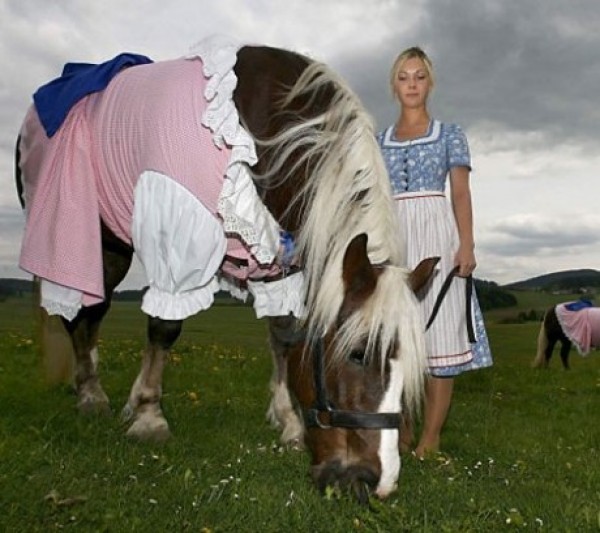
point(389, 440)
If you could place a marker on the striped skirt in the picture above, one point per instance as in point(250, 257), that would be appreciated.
point(430, 231)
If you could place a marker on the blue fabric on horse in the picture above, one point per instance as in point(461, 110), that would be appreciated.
point(288, 245)
point(579, 305)
point(54, 100)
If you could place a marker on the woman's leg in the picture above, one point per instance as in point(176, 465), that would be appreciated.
point(437, 404)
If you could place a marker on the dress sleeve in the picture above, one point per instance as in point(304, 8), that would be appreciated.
point(457, 147)
point(179, 243)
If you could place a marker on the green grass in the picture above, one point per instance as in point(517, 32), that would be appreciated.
point(520, 446)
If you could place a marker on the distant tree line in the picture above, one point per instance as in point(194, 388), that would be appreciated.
point(491, 296)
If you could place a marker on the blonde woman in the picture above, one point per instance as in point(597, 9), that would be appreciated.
point(421, 154)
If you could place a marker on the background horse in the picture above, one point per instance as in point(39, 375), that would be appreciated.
point(344, 366)
point(568, 323)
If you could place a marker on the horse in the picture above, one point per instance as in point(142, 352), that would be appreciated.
point(569, 323)
point(327, 272)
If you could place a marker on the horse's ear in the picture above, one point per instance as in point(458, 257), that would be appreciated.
point(358, 274)
point(419, 277)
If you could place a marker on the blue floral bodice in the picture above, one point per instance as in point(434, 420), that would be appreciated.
point(423, 164)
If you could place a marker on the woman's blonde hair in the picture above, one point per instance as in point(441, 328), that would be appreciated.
point(410, 53)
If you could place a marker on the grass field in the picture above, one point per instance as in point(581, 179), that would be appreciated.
point(521, 447)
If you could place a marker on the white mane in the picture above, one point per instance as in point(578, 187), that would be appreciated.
point(349, 193)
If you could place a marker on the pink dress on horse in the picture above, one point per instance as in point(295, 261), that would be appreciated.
point(131, 155)
point(581, 327)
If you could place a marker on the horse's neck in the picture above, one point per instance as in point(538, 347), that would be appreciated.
point(262, 73)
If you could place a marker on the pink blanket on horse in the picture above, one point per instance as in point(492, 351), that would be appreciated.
point(581, 327)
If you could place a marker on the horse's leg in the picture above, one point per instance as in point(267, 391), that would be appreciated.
point(143, 405)
point(549, 350)
point(281, 412)
point(565, 348)
point(84, 328)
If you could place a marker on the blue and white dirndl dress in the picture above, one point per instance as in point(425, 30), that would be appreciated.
point(418, 170)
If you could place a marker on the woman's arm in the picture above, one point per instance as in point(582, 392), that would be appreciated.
point(463, 213)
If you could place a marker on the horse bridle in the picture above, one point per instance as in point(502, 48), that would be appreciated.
point(324, 415)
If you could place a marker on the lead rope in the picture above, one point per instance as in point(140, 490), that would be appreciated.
point(442, 295)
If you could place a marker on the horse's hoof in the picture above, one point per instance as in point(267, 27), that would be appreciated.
point(94, 407)
point(127, 413)
point(296, 445)
point(155, 430)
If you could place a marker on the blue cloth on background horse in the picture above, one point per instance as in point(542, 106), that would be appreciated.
point(54, 100)
point(579, 305)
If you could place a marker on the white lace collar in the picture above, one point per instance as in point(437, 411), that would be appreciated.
point(433, 134)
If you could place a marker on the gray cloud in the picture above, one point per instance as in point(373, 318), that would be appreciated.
point(530, 66)
point(525, 235)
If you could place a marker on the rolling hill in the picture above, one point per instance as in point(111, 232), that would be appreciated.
point(568, 280)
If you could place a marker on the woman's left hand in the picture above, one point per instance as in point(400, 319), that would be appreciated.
point(465, 260)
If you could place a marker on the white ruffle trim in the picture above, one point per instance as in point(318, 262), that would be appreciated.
point(60, 300)
point(57, 308)
point(240, 207)
point(179, 306)
point(233, 288)
point(279, 298)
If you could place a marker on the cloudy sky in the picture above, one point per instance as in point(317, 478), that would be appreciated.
point(521, 76)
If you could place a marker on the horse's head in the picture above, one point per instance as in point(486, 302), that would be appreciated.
point(352, 382)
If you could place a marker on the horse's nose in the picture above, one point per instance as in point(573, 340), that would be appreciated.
point(358, 479)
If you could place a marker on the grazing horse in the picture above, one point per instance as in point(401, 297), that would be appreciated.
point(569, 323)
point(251, 169)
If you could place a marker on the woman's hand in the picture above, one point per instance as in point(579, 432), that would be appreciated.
point(465, 260)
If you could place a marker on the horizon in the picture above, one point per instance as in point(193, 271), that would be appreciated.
point(121, 288)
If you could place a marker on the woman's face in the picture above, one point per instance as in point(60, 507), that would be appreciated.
point(412, 83)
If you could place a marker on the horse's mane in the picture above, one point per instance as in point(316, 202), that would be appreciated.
point(348, 193)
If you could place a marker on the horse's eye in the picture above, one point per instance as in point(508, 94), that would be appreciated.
point(357, 357)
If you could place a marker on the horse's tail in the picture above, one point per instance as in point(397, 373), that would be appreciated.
point(58, 354)
point(18, 177)
point(542, 345)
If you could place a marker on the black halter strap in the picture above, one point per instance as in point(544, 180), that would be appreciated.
point(469, 297)
point(325, 416)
